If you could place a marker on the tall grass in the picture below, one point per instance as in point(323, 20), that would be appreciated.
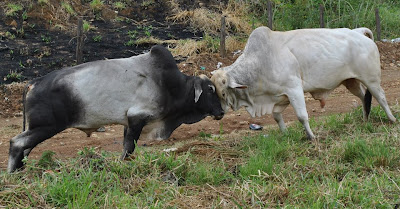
point(289, 15)
point(353, 164)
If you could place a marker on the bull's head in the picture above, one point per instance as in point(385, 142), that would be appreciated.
point(206, 97)
point(223, 84)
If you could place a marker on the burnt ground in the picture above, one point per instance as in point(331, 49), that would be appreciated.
point(42, 48)
point(35, 46)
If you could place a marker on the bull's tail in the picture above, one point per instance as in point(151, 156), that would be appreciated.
point(367, 103)
point(366, 32)
point(23, 106)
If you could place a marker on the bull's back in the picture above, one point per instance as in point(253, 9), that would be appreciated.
point(109, 89)
point(326, 57)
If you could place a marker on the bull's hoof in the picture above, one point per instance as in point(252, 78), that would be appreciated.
point(129, 158)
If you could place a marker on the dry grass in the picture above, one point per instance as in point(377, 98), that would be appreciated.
point(188, 47)
point(209, 21)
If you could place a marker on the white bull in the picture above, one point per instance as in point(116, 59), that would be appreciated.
point(276, 68)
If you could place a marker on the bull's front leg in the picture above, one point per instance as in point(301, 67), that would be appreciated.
point(277, 114)
point(132, 134)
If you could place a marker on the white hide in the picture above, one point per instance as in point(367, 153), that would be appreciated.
point(277, 67)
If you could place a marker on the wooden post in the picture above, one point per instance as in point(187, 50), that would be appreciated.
point(222, 37)
point(269, 8)
point(378, 24)
point(321, 16)
point(79, 42)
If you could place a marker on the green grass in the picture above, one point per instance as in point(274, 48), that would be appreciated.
point(289, 15)
point(352, 164)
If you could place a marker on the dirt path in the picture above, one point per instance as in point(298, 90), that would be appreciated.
point(67, 143)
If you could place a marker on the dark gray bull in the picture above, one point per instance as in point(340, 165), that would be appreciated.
point(134, 92)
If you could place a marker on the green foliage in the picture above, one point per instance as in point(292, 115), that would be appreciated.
point(68, 8)
point(212, 43)
point(46, 39)
point(203, 134)
point(119, 5)
point(14, 76)
point(86, 26)
point(13, 9)
point(43, 2)
point(47, 161)
point(133, 34)
point(97, 38)
point(289, 15)
point(130, 42)
point(96, 5)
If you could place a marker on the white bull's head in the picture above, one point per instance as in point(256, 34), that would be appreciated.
point(223, 85)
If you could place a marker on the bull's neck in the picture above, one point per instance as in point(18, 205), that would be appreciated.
point(187, 110)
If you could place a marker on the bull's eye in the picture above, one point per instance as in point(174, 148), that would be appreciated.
point(223, 95)
point(212, 88)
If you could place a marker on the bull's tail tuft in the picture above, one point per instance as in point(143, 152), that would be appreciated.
point(367, 103)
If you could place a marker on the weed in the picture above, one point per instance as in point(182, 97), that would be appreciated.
point(130, 43)
point(68, 8)
point(47, 161)
point(97, 38)
point(212, 43)
point(13, 9)
point(96, 5)
point(46, 39)
point(9, 35)
point(25, 15)
point(148, 30)
point(86, 26)
point(147, 3)
point(132, 34)
point(14, 76)
point(119, 5)
point(21, 65)
point(43, 2)
point(203, 134)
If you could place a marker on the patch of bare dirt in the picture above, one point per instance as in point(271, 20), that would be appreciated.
point(67, 143)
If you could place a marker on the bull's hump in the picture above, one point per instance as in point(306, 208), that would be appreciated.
point(163, 58)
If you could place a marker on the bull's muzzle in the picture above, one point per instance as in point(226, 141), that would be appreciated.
point(219, 116)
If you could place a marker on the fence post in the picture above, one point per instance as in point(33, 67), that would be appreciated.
point(378, 24)
point(222, 37)
point(79, 42)
point(321, 16)
point(269, 8)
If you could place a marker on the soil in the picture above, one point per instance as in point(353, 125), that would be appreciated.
point(40, 50)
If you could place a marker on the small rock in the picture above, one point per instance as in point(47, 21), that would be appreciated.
point(243, 122)
point(173, 149)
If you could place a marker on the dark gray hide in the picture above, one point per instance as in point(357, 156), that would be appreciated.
point(133, 92)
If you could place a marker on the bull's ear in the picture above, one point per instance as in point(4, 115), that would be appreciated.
point(233, 84)
point(197, 90)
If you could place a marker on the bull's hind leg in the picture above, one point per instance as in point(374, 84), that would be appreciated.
point(22, 144)
point(356, 88)
point(296, 98)
point(377, 92)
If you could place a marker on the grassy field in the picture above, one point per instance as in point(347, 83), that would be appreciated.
point(353, 164)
